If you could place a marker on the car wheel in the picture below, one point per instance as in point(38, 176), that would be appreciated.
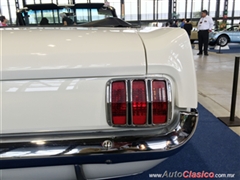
point(222, 40)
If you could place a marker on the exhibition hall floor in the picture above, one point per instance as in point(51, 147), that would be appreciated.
point(215, 78)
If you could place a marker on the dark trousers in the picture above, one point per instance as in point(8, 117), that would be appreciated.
point(203, 36)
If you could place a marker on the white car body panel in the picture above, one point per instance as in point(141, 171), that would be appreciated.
point(171, 56)
point(36, 104)
point(54, 80)
point(70, 52)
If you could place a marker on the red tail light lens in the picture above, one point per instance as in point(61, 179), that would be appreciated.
point(119, 110)
point(139, 103)
point(159, 104)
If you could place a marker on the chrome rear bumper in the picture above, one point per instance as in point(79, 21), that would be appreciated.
point(87, 148)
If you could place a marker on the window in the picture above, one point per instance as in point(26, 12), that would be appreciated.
point(212, 8)
point(221, 8)
point(236, 21)
point(82, 15)
point(29, 1)
point(230, 8)
point(196, 11)
point(97, 1)
point(62, 2)
point(32, 17)
point(163, 9)
point(205, 5)
point(189, 7)
point(181, 9)
point(131, 10)
point(146, 9)
point(237, 9)
point(4, 9)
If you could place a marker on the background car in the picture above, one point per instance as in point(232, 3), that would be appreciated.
point(224, 37)
point(194, 33)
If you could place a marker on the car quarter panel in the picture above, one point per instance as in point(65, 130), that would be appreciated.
point(168, 51)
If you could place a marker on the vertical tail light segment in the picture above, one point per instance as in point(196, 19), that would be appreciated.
point(138, 102)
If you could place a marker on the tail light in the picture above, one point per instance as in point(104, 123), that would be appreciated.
point(138, 102)
point(119, 108)
point(159, 102)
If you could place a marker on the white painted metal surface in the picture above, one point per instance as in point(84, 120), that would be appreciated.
point(55, 78)
point(79, 103)
point(29, 53)
point(169, 52)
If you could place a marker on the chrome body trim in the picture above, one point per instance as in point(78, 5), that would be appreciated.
point(95, 147)
point(149, 99)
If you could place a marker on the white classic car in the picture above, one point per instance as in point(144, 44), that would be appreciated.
point(93, 103)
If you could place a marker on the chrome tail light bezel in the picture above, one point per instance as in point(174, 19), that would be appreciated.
point(149, 100)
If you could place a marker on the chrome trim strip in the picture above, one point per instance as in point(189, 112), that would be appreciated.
point(92, 143)
point(131, 101)
point(147, 101)
point(127, 100)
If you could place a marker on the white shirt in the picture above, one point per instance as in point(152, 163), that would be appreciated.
point(205, 23)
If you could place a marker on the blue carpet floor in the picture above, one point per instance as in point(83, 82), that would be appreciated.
point(213, 148)
point(232, 49)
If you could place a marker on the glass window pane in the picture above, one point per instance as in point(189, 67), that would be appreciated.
point(97, 1)
point(29, 1)
point(130, 10)
point(56, 16)
point(4, 10)
point(205, 4)
point(181, 9)
point(146, 10)
point(80, 1)
point(237, 9)
point(163, 9)
point(212, 8)
point(32, 17)
point(230, 8)
point(96, 15)
point(189, 5)
point(49, 15)
point(82, 15)
point(13, 11)
point(236, 21)
point(221, 8)
point(229, 23)
point(37, 1)
point(196, 12)
point(63, 2)
point(39, 16)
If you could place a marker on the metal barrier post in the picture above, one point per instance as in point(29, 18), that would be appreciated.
point(233, 121)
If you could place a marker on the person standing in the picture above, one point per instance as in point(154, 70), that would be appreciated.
point(205, 26)
point(183, 21)
point(188, 27)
